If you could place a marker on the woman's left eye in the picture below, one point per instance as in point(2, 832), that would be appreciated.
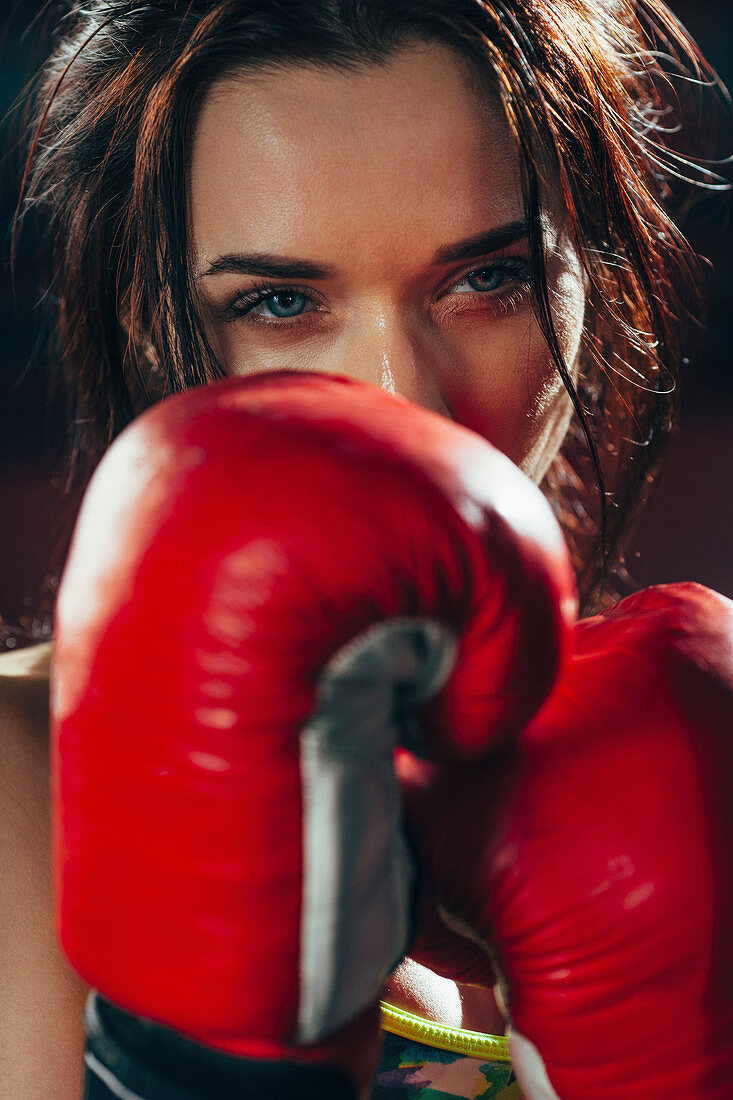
point(493, 277)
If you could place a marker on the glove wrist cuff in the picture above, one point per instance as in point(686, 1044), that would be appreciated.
point(131, 1058)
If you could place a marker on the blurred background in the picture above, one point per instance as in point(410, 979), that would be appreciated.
point(686, 532)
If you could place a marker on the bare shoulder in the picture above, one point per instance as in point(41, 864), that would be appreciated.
point(24, 679)
point(41, 999)
point(34, 661)
point(24, 676)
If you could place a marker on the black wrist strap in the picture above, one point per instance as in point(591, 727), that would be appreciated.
point(130, 1058)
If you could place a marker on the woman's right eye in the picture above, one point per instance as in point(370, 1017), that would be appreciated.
point(283, 306)
point(272, 305)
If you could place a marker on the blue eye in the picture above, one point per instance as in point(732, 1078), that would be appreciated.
point(494, 276)
point(285, 305)
point(488, 278)
point(269, 304)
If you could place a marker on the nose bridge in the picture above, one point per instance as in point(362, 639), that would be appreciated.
point(394, 351)
point(396, 356)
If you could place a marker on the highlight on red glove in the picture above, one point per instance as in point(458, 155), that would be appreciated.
point(273, 581)
point(592, 866)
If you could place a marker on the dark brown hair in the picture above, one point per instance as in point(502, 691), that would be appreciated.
point(585, 86)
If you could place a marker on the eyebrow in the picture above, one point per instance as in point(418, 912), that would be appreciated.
point(285, 267)
point(482, 244)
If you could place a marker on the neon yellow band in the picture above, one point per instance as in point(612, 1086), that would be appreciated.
point(472, 1044)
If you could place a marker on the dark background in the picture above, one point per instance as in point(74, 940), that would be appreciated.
point(686, 532)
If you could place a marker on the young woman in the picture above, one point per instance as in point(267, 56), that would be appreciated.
point(466, 202)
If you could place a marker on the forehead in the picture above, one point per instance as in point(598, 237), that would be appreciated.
point(336, 161)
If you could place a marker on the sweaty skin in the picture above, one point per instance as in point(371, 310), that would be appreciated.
point(369, 176)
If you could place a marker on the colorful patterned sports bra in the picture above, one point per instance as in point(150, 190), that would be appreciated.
point(421, 1060)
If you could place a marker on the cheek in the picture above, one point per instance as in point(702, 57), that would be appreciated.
point(507, 387)
point(242, 351)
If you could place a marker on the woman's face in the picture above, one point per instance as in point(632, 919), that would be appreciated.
point(370, 224)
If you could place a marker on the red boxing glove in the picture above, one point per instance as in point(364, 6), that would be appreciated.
point(596, 869)
point(272, 581)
